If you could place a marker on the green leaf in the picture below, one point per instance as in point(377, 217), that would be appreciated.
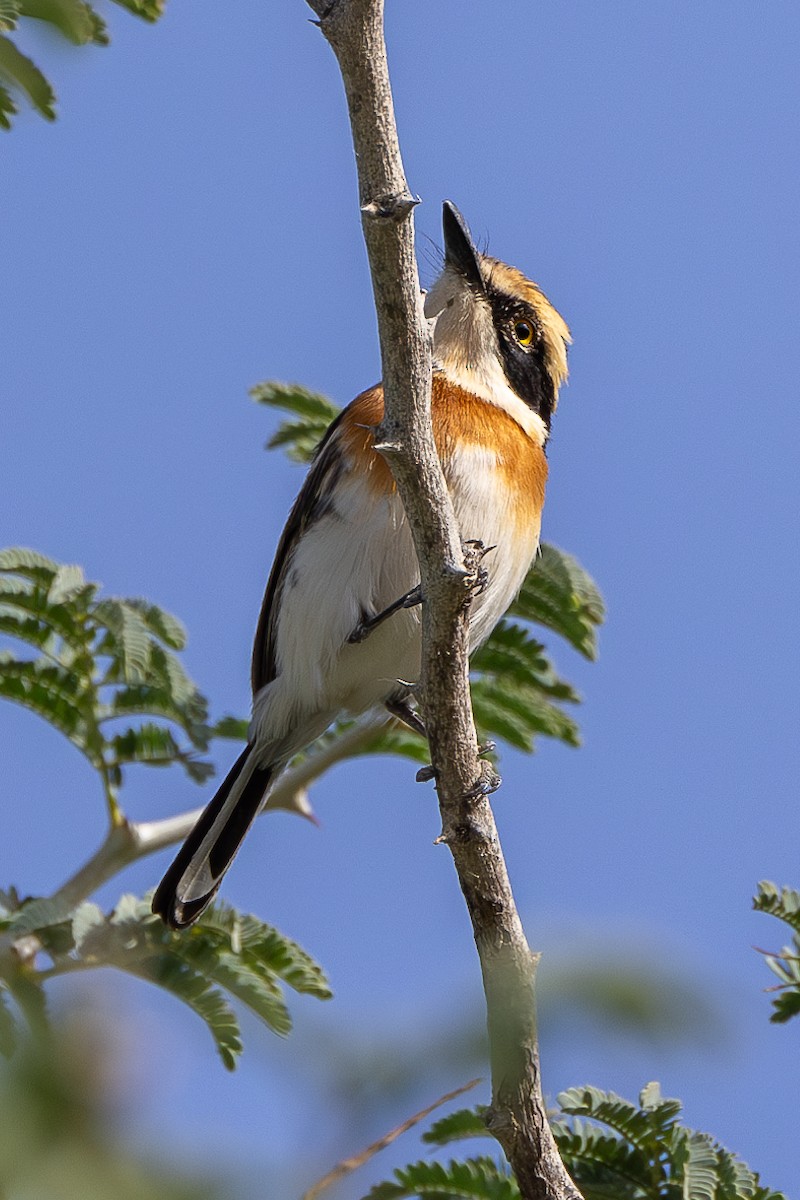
point(62, 620)
point(158, 621)
point(148, 700)
point(154, 745)
point(127, 638)
point(559, 594)
point(26, 629)
point(736, 1180)
point(147, 743)
point(650, 1153)
point(68, 583)
point(700, 1173)
point(29, 563)
point(517, 713)
point(195, 991)
point(474, 1179)
point(29, 996)
point(298, 438)
point(602, 1164)
point(783, 903)
point(636, 1125)
point(224, 952)
point(86, 920)
point(223, 948)
point(75, 20)
point(19, 72)
point(234, 729)
point(642, 1154)
point(456, 1126)
point(8, 1026)
point(102, 658)
point(8, 109)
point(785, 1006)
point(51, 692)
point(147, 10)
point(134, 941)
point(37, 914)
point(72, 18)
point(293, 398)
point(9, 15)
point(267, 951)
point(511, 653)
point(236, 973)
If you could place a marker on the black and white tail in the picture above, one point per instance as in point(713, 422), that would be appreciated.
point(192, 881)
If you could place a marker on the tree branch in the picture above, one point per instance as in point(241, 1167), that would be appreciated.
point(126, 843)
point(354, 29)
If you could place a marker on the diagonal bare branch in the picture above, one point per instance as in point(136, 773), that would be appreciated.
point(348, 1165)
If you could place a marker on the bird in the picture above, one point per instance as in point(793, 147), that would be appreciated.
point(340, 629)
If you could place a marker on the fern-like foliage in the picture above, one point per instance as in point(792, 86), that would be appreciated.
point(457, 1126)
point(783, 903)
point(472, 1178)
point(516, 692)
point(312, 413)
point(104, 670)
point(76, 21)
point(612, 1148)
point(225, 956)
point(649, 1154)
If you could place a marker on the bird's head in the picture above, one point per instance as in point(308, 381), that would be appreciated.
point(495, 333)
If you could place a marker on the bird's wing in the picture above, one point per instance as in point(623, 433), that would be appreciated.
point(312, 503)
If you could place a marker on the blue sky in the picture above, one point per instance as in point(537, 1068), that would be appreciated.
point(189, 227)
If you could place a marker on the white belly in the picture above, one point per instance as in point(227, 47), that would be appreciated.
point(357, 560)
point(485, 510)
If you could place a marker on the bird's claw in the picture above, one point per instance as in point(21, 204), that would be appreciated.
point(474, 553)
point(489, 781)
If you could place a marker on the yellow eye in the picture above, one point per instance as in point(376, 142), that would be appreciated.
point(523, 332)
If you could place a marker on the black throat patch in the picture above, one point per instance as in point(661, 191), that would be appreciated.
point(525, 366)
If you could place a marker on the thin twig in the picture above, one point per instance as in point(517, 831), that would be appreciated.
point(348, 1165)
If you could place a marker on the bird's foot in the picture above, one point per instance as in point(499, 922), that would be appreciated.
point(474, 553)
point(488, 781)
point(367, 625)
point(427, 773)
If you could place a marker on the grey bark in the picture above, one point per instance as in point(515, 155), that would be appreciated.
point(517, 1116)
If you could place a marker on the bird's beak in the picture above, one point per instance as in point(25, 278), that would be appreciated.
point(459, 248)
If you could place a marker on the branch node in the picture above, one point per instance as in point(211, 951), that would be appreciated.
point(462, 832)
point(323, 11)
point(392, 207)
point(500, 1123)
point(25, 949)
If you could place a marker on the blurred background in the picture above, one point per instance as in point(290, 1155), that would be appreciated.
point(187, 228)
